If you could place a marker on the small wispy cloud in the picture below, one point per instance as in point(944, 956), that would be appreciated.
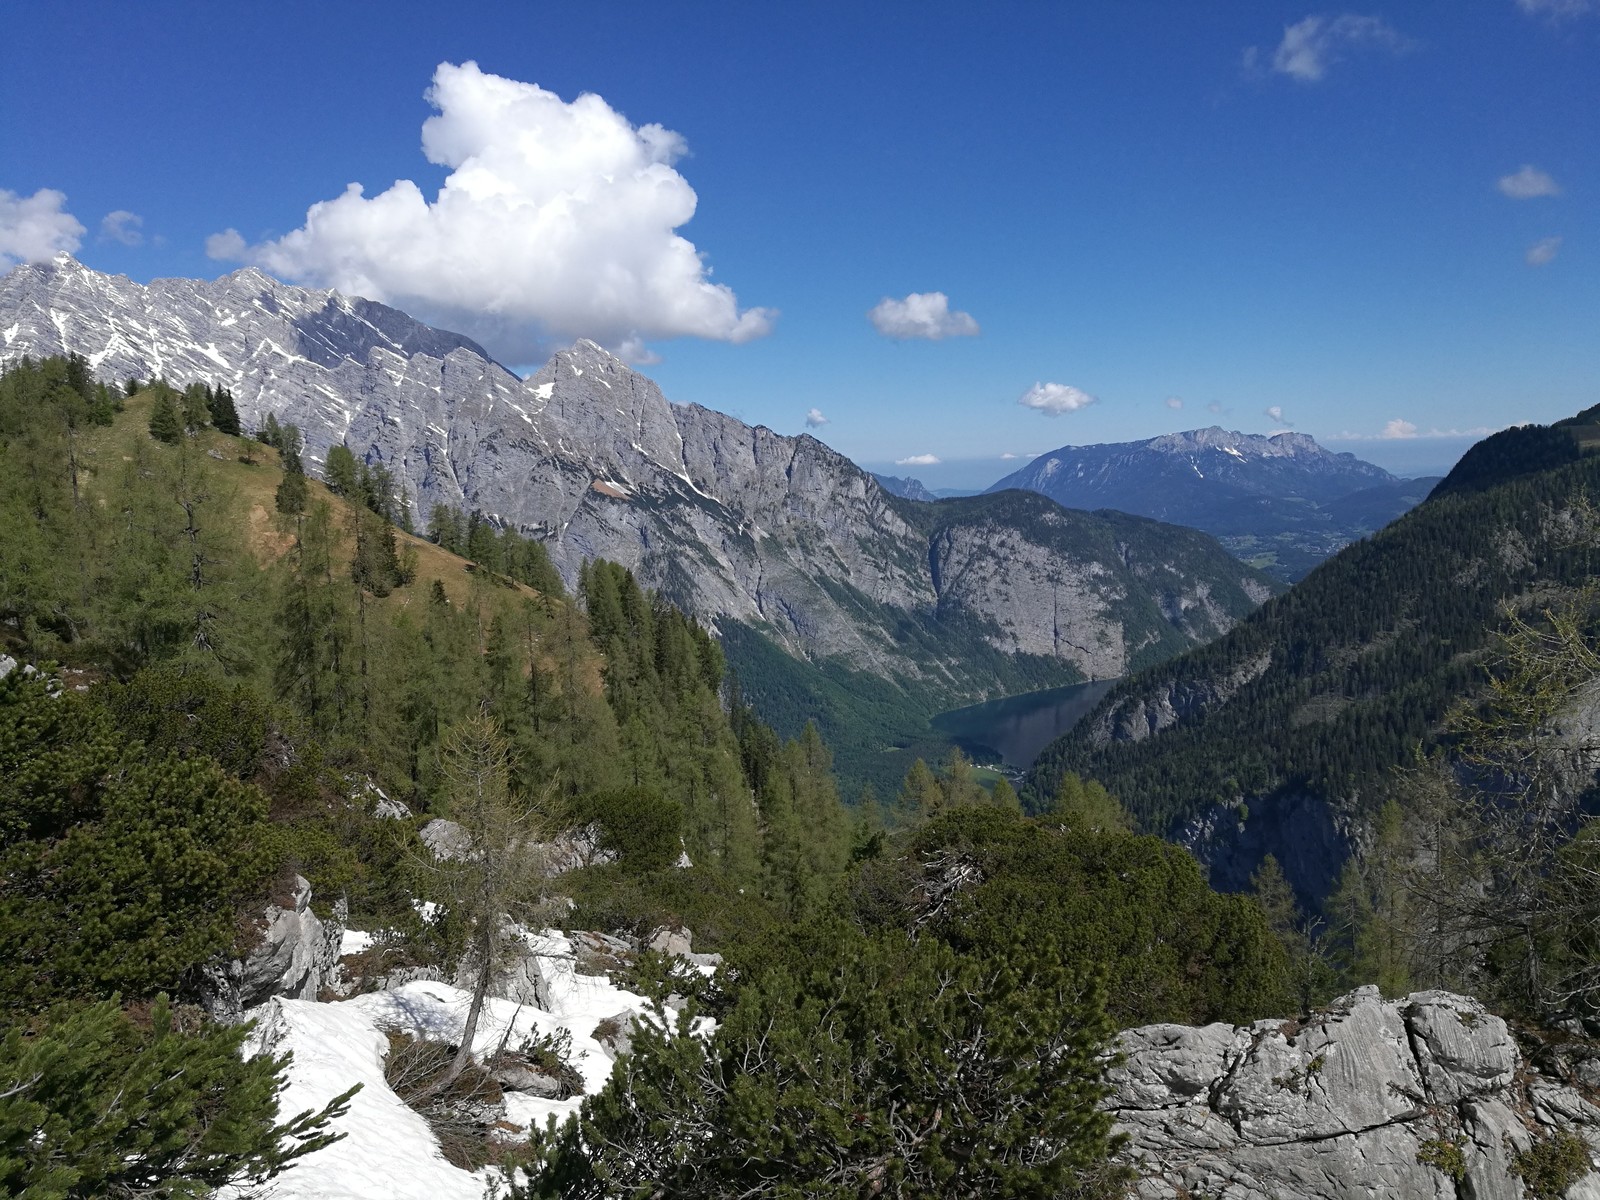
point(1312, 45)
point(1174, 402)
point(122, 226)
point(1053, 399)
point(1399, 429)
point(1214, 407)
point(919, 460)
point(36, 228)
point(1543, 252)
point(1007, 456)
point(924, 315)
point(1556, 10)
point(1529, 183)
point(815, 419)
point(1274, 413)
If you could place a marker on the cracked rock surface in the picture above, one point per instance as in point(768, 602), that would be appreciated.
point(1350, 1103)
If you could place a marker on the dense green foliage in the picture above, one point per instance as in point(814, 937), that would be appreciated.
point(859, 1066)
point(1136, 909)
point(96, 1102)
point(505, 552)
point(120, 868)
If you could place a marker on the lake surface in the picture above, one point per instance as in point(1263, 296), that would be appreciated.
point(1018, 727)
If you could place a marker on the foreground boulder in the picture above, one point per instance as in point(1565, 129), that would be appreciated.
point(1428, 1096)
point(295, 955)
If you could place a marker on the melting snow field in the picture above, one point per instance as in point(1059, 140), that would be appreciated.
point(389, 1153)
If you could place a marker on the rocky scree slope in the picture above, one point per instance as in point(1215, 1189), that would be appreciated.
point(1283, 499)
point(731, 522)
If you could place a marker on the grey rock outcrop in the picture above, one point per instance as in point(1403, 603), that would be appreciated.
point(1371, 1098)
point(298, 953)
point(732, 523)
point(444, 839)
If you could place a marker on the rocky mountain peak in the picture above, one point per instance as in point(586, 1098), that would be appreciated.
point(732, 522)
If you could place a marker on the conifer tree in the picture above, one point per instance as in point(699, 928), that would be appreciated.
point(920, 795)
point(224, 413)
point(502, 874)
point(1089, 806)
point(196, 408)
point(312, 669)
point(341, 474)
point(93, 1105)
point(1005, 796)
point(165, 424)
point(291, 495)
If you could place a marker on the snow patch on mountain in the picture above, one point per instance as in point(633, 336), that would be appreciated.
point(389, 1152)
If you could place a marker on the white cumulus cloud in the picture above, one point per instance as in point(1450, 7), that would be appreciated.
point(1543, 251)
point(1274, 413)
point(1399, 428)
point(557, 220)
point(1529, 183)
point(815, 419)
point(1053, 399)
point(1311, 45)
point(919, 460)
point(923, 315)
point(1174, 402)
point(122, 226)
point(36, 228)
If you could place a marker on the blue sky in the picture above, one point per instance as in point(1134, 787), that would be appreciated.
point(1346, 216)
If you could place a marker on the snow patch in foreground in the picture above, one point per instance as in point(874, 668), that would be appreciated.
point(389, 1152)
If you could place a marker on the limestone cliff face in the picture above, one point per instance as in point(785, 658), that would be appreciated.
point(731, 522)
point(1428, 1096)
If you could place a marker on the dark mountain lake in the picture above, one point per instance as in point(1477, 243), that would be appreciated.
point(1018, 727)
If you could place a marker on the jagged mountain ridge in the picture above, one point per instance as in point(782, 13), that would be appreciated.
point(732, 522)
point(1268, 498)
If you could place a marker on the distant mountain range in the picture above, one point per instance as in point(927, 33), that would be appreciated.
point(1280, 502)
point(1283, 736)
point(910, 489)
point(779, 536)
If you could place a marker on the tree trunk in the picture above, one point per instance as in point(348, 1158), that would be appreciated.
point(479, 991)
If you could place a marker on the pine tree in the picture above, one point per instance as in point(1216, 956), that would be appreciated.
point(196, 408)
point(93, 1104)
point(920, 795)
point(1089, 806)
point(291, 496)
point(165, 424)
point(224, 413)
point(1005, 796)
point(340, 472)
